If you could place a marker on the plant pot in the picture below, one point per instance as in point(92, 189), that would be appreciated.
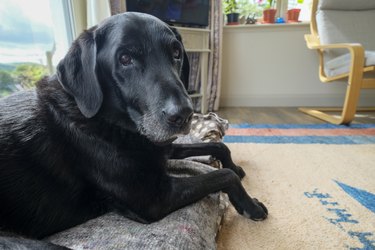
point(293, 15)
point(269, 15)
point(233, 19)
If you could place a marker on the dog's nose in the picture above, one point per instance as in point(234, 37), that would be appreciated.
point(178, 116)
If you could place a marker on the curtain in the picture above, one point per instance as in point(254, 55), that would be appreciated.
point(97, 11)
point(214, 68)
point(117, 6)
point(87, 13)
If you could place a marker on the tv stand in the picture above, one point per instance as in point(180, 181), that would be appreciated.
point(197, 40)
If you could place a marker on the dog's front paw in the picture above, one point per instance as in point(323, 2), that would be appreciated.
point(240, 172)
point(258, 212)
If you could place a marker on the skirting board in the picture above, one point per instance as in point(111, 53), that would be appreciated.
point(315, 100)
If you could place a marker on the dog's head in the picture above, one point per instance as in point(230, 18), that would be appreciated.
point(132, 69)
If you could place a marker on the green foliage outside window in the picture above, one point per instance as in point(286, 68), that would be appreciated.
point(230, 6)
point(249, 8)
point(246, 8)
point(14, 77)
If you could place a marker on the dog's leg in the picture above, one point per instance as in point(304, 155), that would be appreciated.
point(217, 149)
point(186, 190)
point(179, 192)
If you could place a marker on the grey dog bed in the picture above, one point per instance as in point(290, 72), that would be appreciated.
point(192, 227)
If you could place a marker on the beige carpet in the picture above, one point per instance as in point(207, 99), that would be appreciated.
point(308, 209)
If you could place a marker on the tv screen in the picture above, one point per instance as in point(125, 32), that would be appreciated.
point(185, 12)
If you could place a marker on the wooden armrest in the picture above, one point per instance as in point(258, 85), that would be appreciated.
point(313, 43)
point(356, 50)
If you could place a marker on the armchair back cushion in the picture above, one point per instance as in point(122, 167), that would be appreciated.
point(346, 5)
point(346, 21)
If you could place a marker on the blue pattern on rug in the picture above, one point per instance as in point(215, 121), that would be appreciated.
point(364, 197)
point(340, 217)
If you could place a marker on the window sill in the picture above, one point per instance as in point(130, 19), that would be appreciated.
point(271, 25)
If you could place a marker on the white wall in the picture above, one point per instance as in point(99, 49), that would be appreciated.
point(270, 65)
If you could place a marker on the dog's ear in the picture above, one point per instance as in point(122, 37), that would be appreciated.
point(76, 73)
point(185, 71)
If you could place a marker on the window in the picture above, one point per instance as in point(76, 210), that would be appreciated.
point(255, 7)
point(305, 7)
point(31, 41)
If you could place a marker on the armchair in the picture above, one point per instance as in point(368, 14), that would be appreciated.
point(343, 34)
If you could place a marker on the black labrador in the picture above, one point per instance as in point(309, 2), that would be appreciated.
point(96, 136)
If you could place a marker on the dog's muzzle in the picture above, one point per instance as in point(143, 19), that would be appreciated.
point(178, 117)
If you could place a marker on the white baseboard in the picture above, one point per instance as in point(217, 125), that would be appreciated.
point(306, 100)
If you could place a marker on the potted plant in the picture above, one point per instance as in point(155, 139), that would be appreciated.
point(269, 11)
point(231, 11)
point(293, 14)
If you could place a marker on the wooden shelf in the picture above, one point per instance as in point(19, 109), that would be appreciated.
point(197, 40)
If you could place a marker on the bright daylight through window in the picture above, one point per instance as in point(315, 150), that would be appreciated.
point(31, 41)
point(255, 8)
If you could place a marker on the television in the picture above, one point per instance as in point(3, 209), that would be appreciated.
point(183, 12)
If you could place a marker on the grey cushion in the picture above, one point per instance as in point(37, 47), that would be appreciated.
point(341, 64)
point(346, 27)
point(346, 4)
point(192, 227)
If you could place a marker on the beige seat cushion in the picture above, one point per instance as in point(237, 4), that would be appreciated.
point(341, 64)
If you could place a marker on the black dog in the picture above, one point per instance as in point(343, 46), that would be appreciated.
point(96, 136)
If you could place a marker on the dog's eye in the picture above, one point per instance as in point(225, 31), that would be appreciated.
point(126, 60)
point(176, 53)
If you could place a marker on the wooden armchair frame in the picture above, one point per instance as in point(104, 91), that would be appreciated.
point(356, 80)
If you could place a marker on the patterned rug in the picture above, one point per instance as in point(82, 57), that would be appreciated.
point(318, 182)
point(301, 133)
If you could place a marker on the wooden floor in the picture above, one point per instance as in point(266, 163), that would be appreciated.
point(276, 115)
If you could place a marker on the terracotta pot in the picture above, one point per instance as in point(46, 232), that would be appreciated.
point(293, 15)
point(269, 15)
